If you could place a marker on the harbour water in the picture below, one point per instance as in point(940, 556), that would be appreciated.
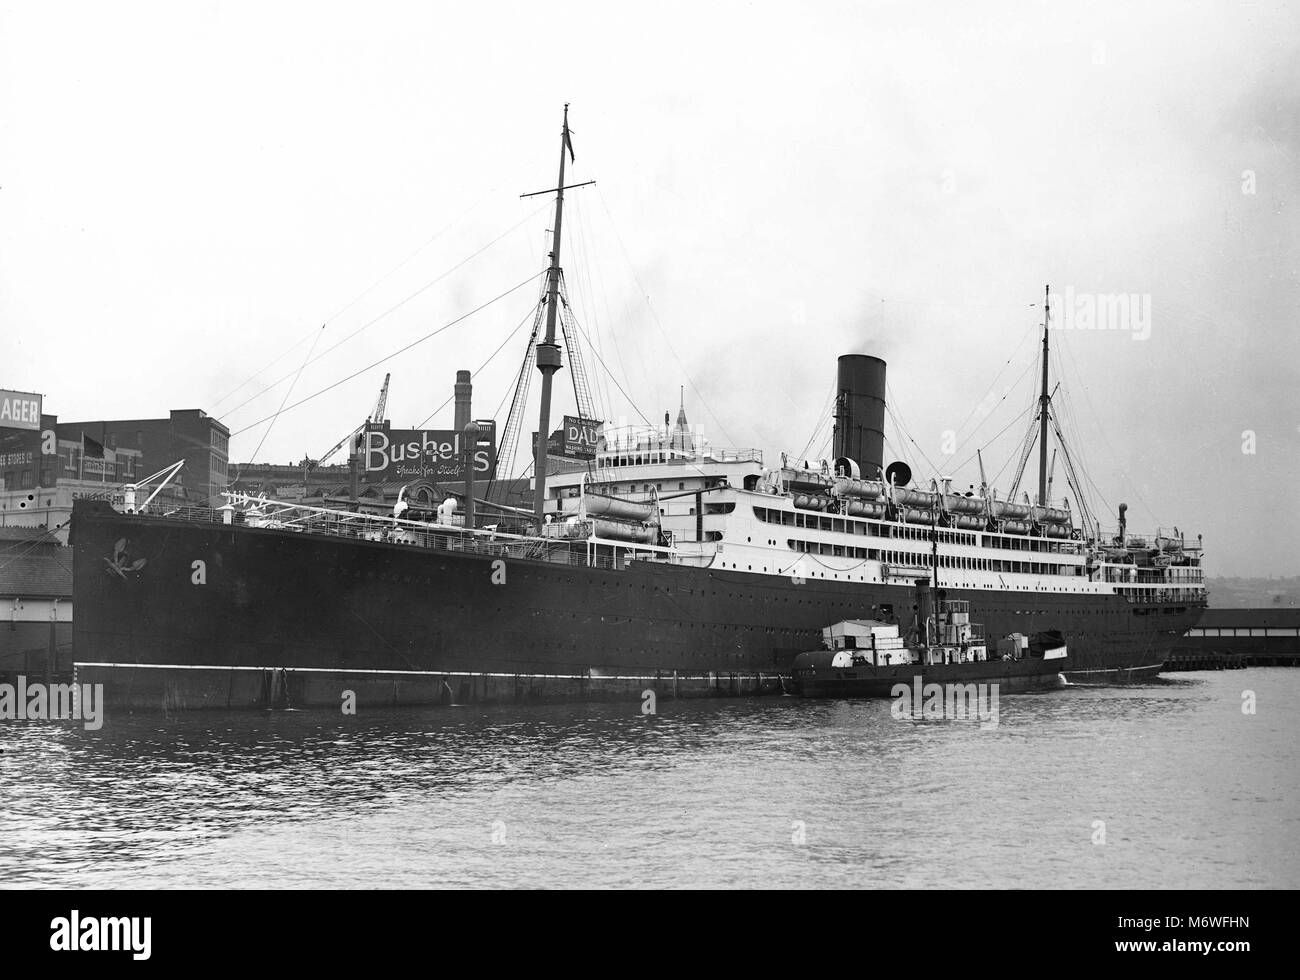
point(1167, 785)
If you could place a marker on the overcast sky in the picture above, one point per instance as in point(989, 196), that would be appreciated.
point(189, 191)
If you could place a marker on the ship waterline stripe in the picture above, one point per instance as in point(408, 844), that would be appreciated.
point(477, 673)
point(439, 673)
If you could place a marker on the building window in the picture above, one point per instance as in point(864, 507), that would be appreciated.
point(27, 480)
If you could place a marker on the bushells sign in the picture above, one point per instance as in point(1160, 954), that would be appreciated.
point(401, 455)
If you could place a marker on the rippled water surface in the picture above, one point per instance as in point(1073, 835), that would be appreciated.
point(771, 792)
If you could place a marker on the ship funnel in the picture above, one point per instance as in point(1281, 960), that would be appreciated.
point(860, 412)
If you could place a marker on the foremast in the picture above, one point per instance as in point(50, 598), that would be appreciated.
point(548, 351)
point(1044, 403)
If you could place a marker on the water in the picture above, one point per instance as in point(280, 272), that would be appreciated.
point(1193, 794)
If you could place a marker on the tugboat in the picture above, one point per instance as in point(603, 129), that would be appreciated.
point(866, 658)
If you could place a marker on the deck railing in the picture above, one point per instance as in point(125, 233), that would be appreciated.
point(252, 512)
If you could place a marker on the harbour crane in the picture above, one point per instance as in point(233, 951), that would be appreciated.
point(374, 418)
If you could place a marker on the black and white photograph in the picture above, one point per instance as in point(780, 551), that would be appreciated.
point(718, 446)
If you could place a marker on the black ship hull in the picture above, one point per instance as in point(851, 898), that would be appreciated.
point(197, 613)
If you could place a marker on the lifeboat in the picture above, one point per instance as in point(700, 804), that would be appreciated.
point(618, 531)
point(807, 501)
point(1051, 515)
point(968, 522)
point(1015, 527)
point(1007, 510)
point(848, 487)
point(917, 515)
point(1056, 531)
point(599, 505)
point(915, 498)
point(865, 508)
point(955, 503)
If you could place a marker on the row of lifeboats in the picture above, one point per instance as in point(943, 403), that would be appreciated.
point(873, 498)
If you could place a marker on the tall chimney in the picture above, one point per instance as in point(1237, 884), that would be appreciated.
point(463, 391)
point(860, 412)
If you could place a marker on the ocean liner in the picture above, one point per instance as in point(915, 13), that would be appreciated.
point(661, 562)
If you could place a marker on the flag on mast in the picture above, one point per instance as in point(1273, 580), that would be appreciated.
point(568, 142)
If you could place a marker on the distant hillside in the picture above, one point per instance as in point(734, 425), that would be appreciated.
point(1234, 593)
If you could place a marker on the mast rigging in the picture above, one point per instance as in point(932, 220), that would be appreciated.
point(547, 350)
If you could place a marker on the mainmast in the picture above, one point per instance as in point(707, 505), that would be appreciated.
point(548, 351)
point(1043, 400)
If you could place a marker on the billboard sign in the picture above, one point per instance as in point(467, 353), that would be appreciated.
point(19, 449)
point(554, 444)
point(582, 437)
point(20, 410)
point(438, 455)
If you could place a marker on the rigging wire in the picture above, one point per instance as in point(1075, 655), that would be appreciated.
point(1031, 435)
point(1067, 417)
point(510, 336)
point(1011, 388)
point(592, 348)
point(613, 337)
point(1071, 416)
point(1113, 455)
point(362, 295)
point(1033, 328)
point(24, 553)
point(822, 416)
point(390, 310)
point(402, 350)
point(817, 439)
point(971, 458)
point(587, 296)
point(655, 316)
point(898, 423)
point(288, 391)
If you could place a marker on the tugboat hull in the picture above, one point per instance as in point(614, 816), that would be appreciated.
point(815, 677)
